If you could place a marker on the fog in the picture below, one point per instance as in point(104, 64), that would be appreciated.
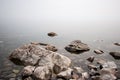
point(65, 16)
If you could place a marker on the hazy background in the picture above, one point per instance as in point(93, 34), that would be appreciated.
point(63, 16)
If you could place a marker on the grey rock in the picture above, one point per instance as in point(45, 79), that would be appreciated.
point(65, 74)
point(40, 63)
point(77, 46)
point(106, 74)
point(46, 46)
point(97, 51)
point(52, 34)
point(115, 55)
point(91, 58)
point(117, 44)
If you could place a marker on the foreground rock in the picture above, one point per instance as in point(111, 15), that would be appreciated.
point(77, 46)
point(42, 64)
point(52, 34)
point(44, 61)
point(116, 55)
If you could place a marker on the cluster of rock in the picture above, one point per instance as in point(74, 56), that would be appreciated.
point(41, 63)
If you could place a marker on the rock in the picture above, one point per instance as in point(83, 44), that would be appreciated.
point(65, 74)
point(77, 46)
point(51, 48)
point(105, 74)
point(15, 71)
point(46, 46)
point(91, 58)
point(52, 34)
point(115, 55)
point(60, 62)
point(118, 73)
point(97, 51)
point(28, 70)
point(117, 44)
point(42, 73)
point(77, 73)
point(39, 62)
point(109, 64)
point(90, 66)
point(85, 75)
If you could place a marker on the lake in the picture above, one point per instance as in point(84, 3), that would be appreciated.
point(97, 36)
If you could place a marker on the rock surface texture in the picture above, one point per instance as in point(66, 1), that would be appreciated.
point(77, 46)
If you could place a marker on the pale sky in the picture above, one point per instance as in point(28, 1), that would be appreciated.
point(61, 12)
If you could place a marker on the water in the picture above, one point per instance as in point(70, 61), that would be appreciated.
point(96, 36)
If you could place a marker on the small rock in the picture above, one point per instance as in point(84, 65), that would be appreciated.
point(28, 70)
point(42, 73)
point(91, 58)
point(85, 75)
point(117, 44)
point(90, 66)
point(65, 74)
point(118, 73)
point(77, 47)
point(115, 55)
point(97, 51)
point(15, 71)
point(52, 34)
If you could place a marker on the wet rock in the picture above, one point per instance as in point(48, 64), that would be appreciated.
point(117, 44)
point(78, 73)
point(46, 46)
point(90, 66)
point(61, 61)
point(109, 64)
point(65, 74)
point(85, 75)
point(15, 71)
point(52, 34)
point(105, 74)
point(115, 55)
point(42, 73)
point(27, 71)
point(118, 73)
point(91, 58)
point(77, 46)
point(97, 51)
point(39, 62)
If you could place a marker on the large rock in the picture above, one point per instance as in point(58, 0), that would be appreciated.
point(39, 62)
point(77, 46)
point(116, 55)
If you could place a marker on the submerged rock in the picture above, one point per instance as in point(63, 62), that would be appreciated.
point(116, 55)
point(91, 58)
point(77, 46)
point(97, 51)
point(117, 44)
point(52, 34)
